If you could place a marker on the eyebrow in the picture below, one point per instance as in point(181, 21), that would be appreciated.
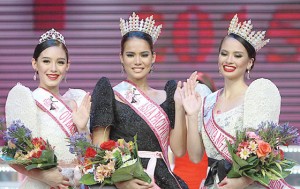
point(50, 58)
point(233, 51)
point(140, 52)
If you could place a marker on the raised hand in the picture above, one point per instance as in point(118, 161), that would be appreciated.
point(81, 114)
point(177, 96)
point(191, 99)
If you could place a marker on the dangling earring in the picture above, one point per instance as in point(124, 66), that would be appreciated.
point(65, 78)
point(220, 74)
point(152, 68)
point(34, 76)
point(122, 69)
point(248, 74)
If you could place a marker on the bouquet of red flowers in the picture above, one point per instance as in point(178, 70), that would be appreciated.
point(25, 150)
point(257, 154)
point(111, 162)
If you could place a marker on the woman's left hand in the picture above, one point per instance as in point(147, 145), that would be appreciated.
point(81, 114)
point(177, 96)
point(234, 183)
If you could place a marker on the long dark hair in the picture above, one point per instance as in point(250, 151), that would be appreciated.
point(139, 35)
point(46, 44)
point(250, 49)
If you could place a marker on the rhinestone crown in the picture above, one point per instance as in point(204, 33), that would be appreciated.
point(134, 24)
point(256, 39)
point(52, 34)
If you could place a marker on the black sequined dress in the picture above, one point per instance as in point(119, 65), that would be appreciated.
point(125, 123)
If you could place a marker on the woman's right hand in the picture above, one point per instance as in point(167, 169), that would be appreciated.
point(54, 178)
point(134, 184)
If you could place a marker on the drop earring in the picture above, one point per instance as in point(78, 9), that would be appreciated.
point(34, 76)
point(220, 73)
point(152, 68)
point(248, 74)
point(122, 69)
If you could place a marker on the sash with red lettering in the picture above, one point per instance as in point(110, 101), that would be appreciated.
point(218, 137)
point(152, 113)
point(56, 109)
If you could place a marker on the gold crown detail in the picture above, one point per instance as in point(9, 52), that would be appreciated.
point(134, 24)
point(244, 31)
point(52, 34)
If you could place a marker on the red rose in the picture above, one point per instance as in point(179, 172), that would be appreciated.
point(108, 145)
point(90, 152)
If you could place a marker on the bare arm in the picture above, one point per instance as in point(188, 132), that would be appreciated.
point(195, 145)
point(178, 134)
point(192, 103)
point(100, 135)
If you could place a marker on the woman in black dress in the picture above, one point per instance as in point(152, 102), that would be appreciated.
point(133, 107)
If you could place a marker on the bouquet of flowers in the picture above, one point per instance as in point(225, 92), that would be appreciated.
point(257, 154)
point(111, 162)
point(25, 150)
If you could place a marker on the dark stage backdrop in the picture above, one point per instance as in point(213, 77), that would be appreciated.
point(189, 41)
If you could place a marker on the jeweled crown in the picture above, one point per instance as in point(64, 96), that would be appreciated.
point(52, 34)
point(134, 24)
point(244, 31)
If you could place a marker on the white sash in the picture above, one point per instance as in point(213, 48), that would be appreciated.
point(152, 113)
point(56, 109)
point(218, 137)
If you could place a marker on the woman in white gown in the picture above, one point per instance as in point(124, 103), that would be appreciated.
point(48, 114)
point(234, 107)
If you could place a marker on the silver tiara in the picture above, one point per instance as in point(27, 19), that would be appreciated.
point(244, 31)
point(52, 34)
point(134, 24)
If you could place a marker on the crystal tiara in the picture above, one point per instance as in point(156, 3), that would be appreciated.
point(52, 34)
point(256, 39)
point(134, 24)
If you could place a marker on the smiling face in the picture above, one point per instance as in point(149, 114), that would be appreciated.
point(233, 59)
point(137, 59)
point(51, 66)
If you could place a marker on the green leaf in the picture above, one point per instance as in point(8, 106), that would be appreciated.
point(271, 175)
point(285, 173)
point(263, 172)
point(252, 163)
point(278, 165)
point(127, 173)
point(233, 174)
point(264, 180)
point(87, 179)
point(43, 166)
point(239, 161)
point(48, 155)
